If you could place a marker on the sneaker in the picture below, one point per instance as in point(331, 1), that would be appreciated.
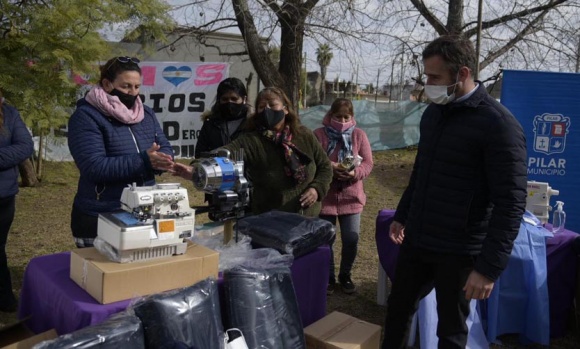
point(347, 285)
point(330, 288)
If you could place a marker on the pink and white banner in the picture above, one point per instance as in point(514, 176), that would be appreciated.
point(178, 93)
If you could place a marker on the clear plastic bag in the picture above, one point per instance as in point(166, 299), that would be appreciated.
point(189, 317)
point(122, 330)
point(262, 304)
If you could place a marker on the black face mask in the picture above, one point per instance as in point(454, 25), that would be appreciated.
point(125, 98)
point(270, 118)
point(232, 111)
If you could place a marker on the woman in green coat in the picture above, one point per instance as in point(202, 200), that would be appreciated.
point(284, 161)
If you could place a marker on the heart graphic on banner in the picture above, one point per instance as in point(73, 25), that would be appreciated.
point(177, 75)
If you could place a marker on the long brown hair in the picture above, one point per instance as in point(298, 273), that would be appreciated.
point(291, 119)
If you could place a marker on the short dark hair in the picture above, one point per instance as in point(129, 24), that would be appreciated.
point(230, 84)
point(455, 50)
point(115, 66)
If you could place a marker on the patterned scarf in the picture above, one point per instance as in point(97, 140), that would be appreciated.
point(295, 158)
point(334, 137)
point(111, 106)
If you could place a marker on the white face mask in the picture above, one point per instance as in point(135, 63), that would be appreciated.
point(438, 93)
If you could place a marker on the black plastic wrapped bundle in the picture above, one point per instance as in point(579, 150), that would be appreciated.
point(289, 233)
point(262, 304)
point(122, 330)
point(185, 318)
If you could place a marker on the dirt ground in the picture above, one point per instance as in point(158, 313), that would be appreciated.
point(42, 226)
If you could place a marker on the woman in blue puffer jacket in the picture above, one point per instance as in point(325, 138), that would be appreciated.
point(15, 146)
point(115, 140)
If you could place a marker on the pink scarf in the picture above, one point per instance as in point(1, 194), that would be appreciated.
point(112, 106)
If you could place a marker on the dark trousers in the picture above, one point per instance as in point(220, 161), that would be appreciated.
point(83, 225)
point(349, 234)
point(7, 209)
point(417, 272)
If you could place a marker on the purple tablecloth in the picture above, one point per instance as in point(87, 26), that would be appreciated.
point(53, 300)
point(561, 265)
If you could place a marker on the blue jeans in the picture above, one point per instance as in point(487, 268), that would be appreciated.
point(349, 233)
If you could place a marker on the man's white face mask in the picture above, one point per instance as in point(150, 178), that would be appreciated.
point(438, 93)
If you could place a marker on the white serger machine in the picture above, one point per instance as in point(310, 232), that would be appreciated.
point(154, 222)
point(538, 200)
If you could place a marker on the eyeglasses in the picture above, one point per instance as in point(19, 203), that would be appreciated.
point(124, 60)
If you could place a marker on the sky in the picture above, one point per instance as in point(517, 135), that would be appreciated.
point(342, 65)
point(380, 59)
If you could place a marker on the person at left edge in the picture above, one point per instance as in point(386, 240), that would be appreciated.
point(115, 140)
point(15, 146)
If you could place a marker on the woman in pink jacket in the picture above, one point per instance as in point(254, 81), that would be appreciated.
point(344, 144)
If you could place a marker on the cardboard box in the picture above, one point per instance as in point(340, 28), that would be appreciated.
point(18, 336)
point(342, 331)
point(109, 281)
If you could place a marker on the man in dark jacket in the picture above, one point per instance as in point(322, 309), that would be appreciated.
point(461, 211)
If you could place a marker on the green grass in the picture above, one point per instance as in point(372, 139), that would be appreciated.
point(42, 226)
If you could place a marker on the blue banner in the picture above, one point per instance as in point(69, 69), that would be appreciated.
point(548, 107)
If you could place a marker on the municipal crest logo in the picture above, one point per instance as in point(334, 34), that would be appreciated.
point(550, 132)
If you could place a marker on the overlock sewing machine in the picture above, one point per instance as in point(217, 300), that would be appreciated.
point(538, 199)
point(154, 222)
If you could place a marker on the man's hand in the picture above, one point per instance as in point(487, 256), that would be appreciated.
point(397, 232)
point(477, 286)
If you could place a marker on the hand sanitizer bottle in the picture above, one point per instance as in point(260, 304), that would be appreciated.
point(559, 218)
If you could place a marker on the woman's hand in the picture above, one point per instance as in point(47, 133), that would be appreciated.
point(345, 175)
point(340, 173)
point(160, 161)
point(183, 171)
point(308, 197)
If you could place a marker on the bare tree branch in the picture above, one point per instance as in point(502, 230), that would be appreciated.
point(533, 26)
point(430, 17)
point(504, 19)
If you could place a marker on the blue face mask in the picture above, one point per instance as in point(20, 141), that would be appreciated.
point(270, 118)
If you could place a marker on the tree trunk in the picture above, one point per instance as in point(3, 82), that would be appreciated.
point(266, 70)
point(41, 141)
point(455, 17)
point(292, 16)
point(291, 56)
point(27, 174)
point(323, 86)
